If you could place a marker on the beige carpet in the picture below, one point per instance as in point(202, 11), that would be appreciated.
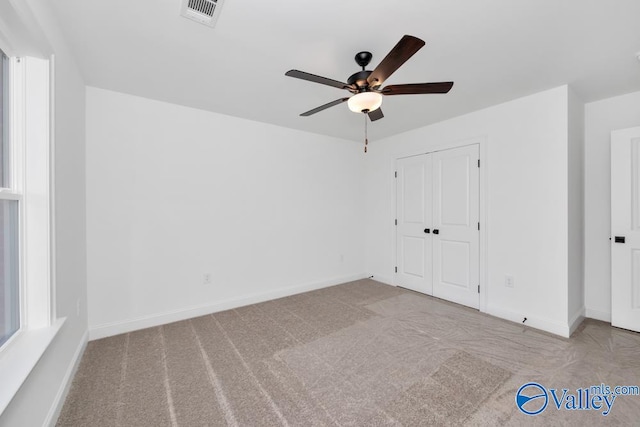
point(358, 354)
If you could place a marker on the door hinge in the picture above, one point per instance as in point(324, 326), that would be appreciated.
point(395, 174)
point(396, 269)
point(478, 226)
point(396, 222)
point(478, 288)
point(478, 162)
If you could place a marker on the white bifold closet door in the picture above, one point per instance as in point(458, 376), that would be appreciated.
point(437, 236)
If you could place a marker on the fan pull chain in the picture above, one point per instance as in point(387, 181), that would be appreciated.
point(366, 138)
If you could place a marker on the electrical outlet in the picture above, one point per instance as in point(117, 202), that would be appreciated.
point(206, 279)
point(509, 281)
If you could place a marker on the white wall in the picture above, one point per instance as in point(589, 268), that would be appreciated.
point(576, 308)
point(39, 398)
point(175, 192)
point(526, 161)
point(601, 118)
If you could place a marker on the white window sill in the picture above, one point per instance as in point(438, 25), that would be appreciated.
point(21, 356)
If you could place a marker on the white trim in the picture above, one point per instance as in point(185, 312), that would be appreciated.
point(564, 331)
point(440, 147)
point(142, 322)
point(9, 195)
point(576, 320)
point(17, 123)
point(627, 133)
point(598, 315)
point(18, 360)
point(382, 279)
point(52, 187)
point(483, 142)
point(36, 208)
point(65, 385)
point(533, 322)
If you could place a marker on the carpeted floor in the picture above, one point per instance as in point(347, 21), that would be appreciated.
point(358, 354)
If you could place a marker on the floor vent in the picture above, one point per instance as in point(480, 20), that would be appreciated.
point(202, 11)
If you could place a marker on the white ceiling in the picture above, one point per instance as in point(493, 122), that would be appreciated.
point(494, 50)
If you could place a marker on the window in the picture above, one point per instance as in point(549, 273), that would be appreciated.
point(9, 212)
point(9, 289)
point(28, 321)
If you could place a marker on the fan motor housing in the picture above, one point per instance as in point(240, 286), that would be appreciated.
point(359, 79)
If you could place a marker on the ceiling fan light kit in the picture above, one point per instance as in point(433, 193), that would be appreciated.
point(365, 85)
point(365, 102)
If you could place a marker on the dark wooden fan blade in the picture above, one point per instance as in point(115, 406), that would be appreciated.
point(316, 79)
point(406, 47)
point(324, 107)
point(375, 114)
point(417, 88)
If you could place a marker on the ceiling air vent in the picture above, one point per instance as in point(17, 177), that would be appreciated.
point(203, 11)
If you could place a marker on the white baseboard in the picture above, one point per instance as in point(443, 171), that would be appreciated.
point(382, 279)
point(576, 320)
point(598, 315)
point(58, 402)
point(129, 325)
point(555, 328)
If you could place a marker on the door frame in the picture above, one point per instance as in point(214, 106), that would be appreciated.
point(482, 143)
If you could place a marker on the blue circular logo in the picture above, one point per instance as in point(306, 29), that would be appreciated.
point(532, 398)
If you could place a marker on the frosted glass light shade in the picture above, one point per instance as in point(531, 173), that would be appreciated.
point(364, 101)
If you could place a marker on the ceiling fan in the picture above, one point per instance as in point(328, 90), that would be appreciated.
point(366, 85)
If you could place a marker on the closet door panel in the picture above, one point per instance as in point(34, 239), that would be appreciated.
point(414, 216)
point(456, 266)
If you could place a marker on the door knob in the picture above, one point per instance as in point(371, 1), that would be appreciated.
point(436, 231)
point(427, 230)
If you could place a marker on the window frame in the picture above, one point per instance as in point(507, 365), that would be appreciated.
point(12, 188)
point(31, 183)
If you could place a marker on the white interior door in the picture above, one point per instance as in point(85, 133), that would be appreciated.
point(414, 215)
point(456, 242)
point(625, 229)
